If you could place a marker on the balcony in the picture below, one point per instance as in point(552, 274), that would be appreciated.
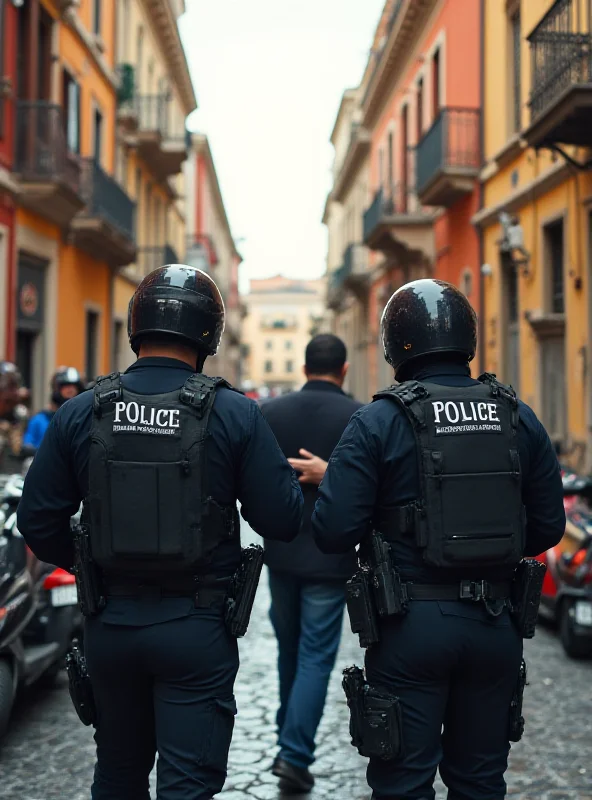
point(47, 174)
point(158, 143)
point(106, 227)
point(396, 225)
point(561, 96)
point(358, 149)
point(448, 157)
point(151, 257)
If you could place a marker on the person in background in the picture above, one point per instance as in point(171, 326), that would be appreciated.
point(307, 587)
point(65, 384)
point(13, 414)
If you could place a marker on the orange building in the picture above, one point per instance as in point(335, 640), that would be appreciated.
point(75, 224)
point(419, 115)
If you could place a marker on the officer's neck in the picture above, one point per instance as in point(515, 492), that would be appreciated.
point(177, 351)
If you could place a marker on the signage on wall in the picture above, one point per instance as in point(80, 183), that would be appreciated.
point(29, 300)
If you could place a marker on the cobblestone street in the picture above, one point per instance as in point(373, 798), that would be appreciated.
point(49, 754)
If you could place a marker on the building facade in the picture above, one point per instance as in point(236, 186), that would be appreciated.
point(282, 316)
point(419, 116)
point(536, 218)
point(155, 97)
point(211, 247)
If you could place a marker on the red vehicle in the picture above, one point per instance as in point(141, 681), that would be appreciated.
point(567, 589)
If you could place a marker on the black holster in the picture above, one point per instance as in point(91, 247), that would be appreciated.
point(516, 727)
point(527, 588)
point(242, 590)
point(91, 597)
point(390, 594)
point(375, 717)
point(80, 687)
point(360, 606)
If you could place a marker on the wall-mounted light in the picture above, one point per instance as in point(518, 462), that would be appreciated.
point(512, 241)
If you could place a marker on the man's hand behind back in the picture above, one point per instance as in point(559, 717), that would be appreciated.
point(311, 467)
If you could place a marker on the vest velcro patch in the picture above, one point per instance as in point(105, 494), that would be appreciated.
point(132, 417)
point(454, 417)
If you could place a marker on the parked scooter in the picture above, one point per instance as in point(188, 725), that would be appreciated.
point(39, 614)
point(567, 589)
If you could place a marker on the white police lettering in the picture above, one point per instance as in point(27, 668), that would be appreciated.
point(465, 417)
point(135, 418)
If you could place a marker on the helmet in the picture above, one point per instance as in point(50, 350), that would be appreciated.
point(179, 301)
point(427, 316)
point(10, 377)
point(65, 376)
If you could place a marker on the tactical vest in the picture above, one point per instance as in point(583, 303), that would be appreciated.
point(470, 511)
point(148, 507)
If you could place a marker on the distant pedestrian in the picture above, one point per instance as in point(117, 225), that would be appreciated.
point(307, 587)
point(65, 384)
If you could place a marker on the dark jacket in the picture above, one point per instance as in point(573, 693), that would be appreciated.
point(244, 463)
point(375, 464)
point(314, 419)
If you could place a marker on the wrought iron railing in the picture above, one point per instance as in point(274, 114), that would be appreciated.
point(561, 54)
point(151, 257)
point(354, 260)
point(41, 152)
point(105, 199)
point(388, 202)
point(452, 142)
point(154, 113)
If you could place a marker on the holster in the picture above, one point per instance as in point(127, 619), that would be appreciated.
point(527, 587)
point(360, 606)
point(80, 687)
point(375, 717)
point(516, 719)
point(242, 590)
point(88, 583)
point(390, 594)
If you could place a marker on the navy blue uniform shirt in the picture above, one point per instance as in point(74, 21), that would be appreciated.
point(244, 462)
point(376, 459)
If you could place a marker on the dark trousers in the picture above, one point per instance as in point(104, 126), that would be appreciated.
point(307, 619)
point(454, 669)
point(166, 687)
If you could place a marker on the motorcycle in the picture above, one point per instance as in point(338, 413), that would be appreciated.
point(567, 588)
point(39, 613)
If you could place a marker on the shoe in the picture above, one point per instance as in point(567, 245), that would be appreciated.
point(292, 778)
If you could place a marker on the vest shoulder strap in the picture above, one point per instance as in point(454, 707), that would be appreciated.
point(199, 392)
point(107, 391)
point(407, 396)
point(499, 389)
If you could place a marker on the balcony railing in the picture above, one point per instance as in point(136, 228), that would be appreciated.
point(561, 55)
point(151, 257)
point(154, 114)
point(387, 204)
point(355, 261)
point(41, 152)
point(106, 200)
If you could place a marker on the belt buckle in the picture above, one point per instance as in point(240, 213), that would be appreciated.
point(474, 590)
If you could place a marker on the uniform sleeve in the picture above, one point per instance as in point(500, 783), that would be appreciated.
point(347, 494)
point(543, 496)
point(50, 497)
point(268, 489)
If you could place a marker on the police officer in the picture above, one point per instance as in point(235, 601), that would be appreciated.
point(461, 481)
point(12, 417)
point(65, 384)
point(160, 456)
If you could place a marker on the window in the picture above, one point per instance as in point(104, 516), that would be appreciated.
point(436, 83)
point(390, 161)
point(466, 285)
point(553, 401)
point(268, 366)
point(97, 135)
point(554, 244)
point(380, 168)
point(514, 61)
point(92, 343)
point(139, 58)
point(288, 345)
point(419, 109)
point(97, 18)
point(289, 366)
point(406, 154)
point(71, 102)
point(269, 344)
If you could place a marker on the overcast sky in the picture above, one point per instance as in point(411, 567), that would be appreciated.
point(269, 75)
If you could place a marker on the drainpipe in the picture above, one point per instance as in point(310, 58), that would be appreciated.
point(482, 328)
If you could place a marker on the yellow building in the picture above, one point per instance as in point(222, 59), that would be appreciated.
point(155, 96)
point(536, 218)
point(283, 315)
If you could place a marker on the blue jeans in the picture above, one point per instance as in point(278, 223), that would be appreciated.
point(307, 619)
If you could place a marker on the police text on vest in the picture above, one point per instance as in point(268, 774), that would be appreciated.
point(466, 417)
point(135, 418)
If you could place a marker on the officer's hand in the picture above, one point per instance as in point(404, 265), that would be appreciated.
point(312, 467)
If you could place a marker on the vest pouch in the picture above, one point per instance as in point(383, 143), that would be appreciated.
point(147, 503)
point(476, 528)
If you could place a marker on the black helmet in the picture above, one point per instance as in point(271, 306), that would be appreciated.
point(10, 377)
point(65, 376)
point(427, 316)
point(180, 301)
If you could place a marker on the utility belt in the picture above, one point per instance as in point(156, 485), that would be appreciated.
point(377, 591)
point(237, 592)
